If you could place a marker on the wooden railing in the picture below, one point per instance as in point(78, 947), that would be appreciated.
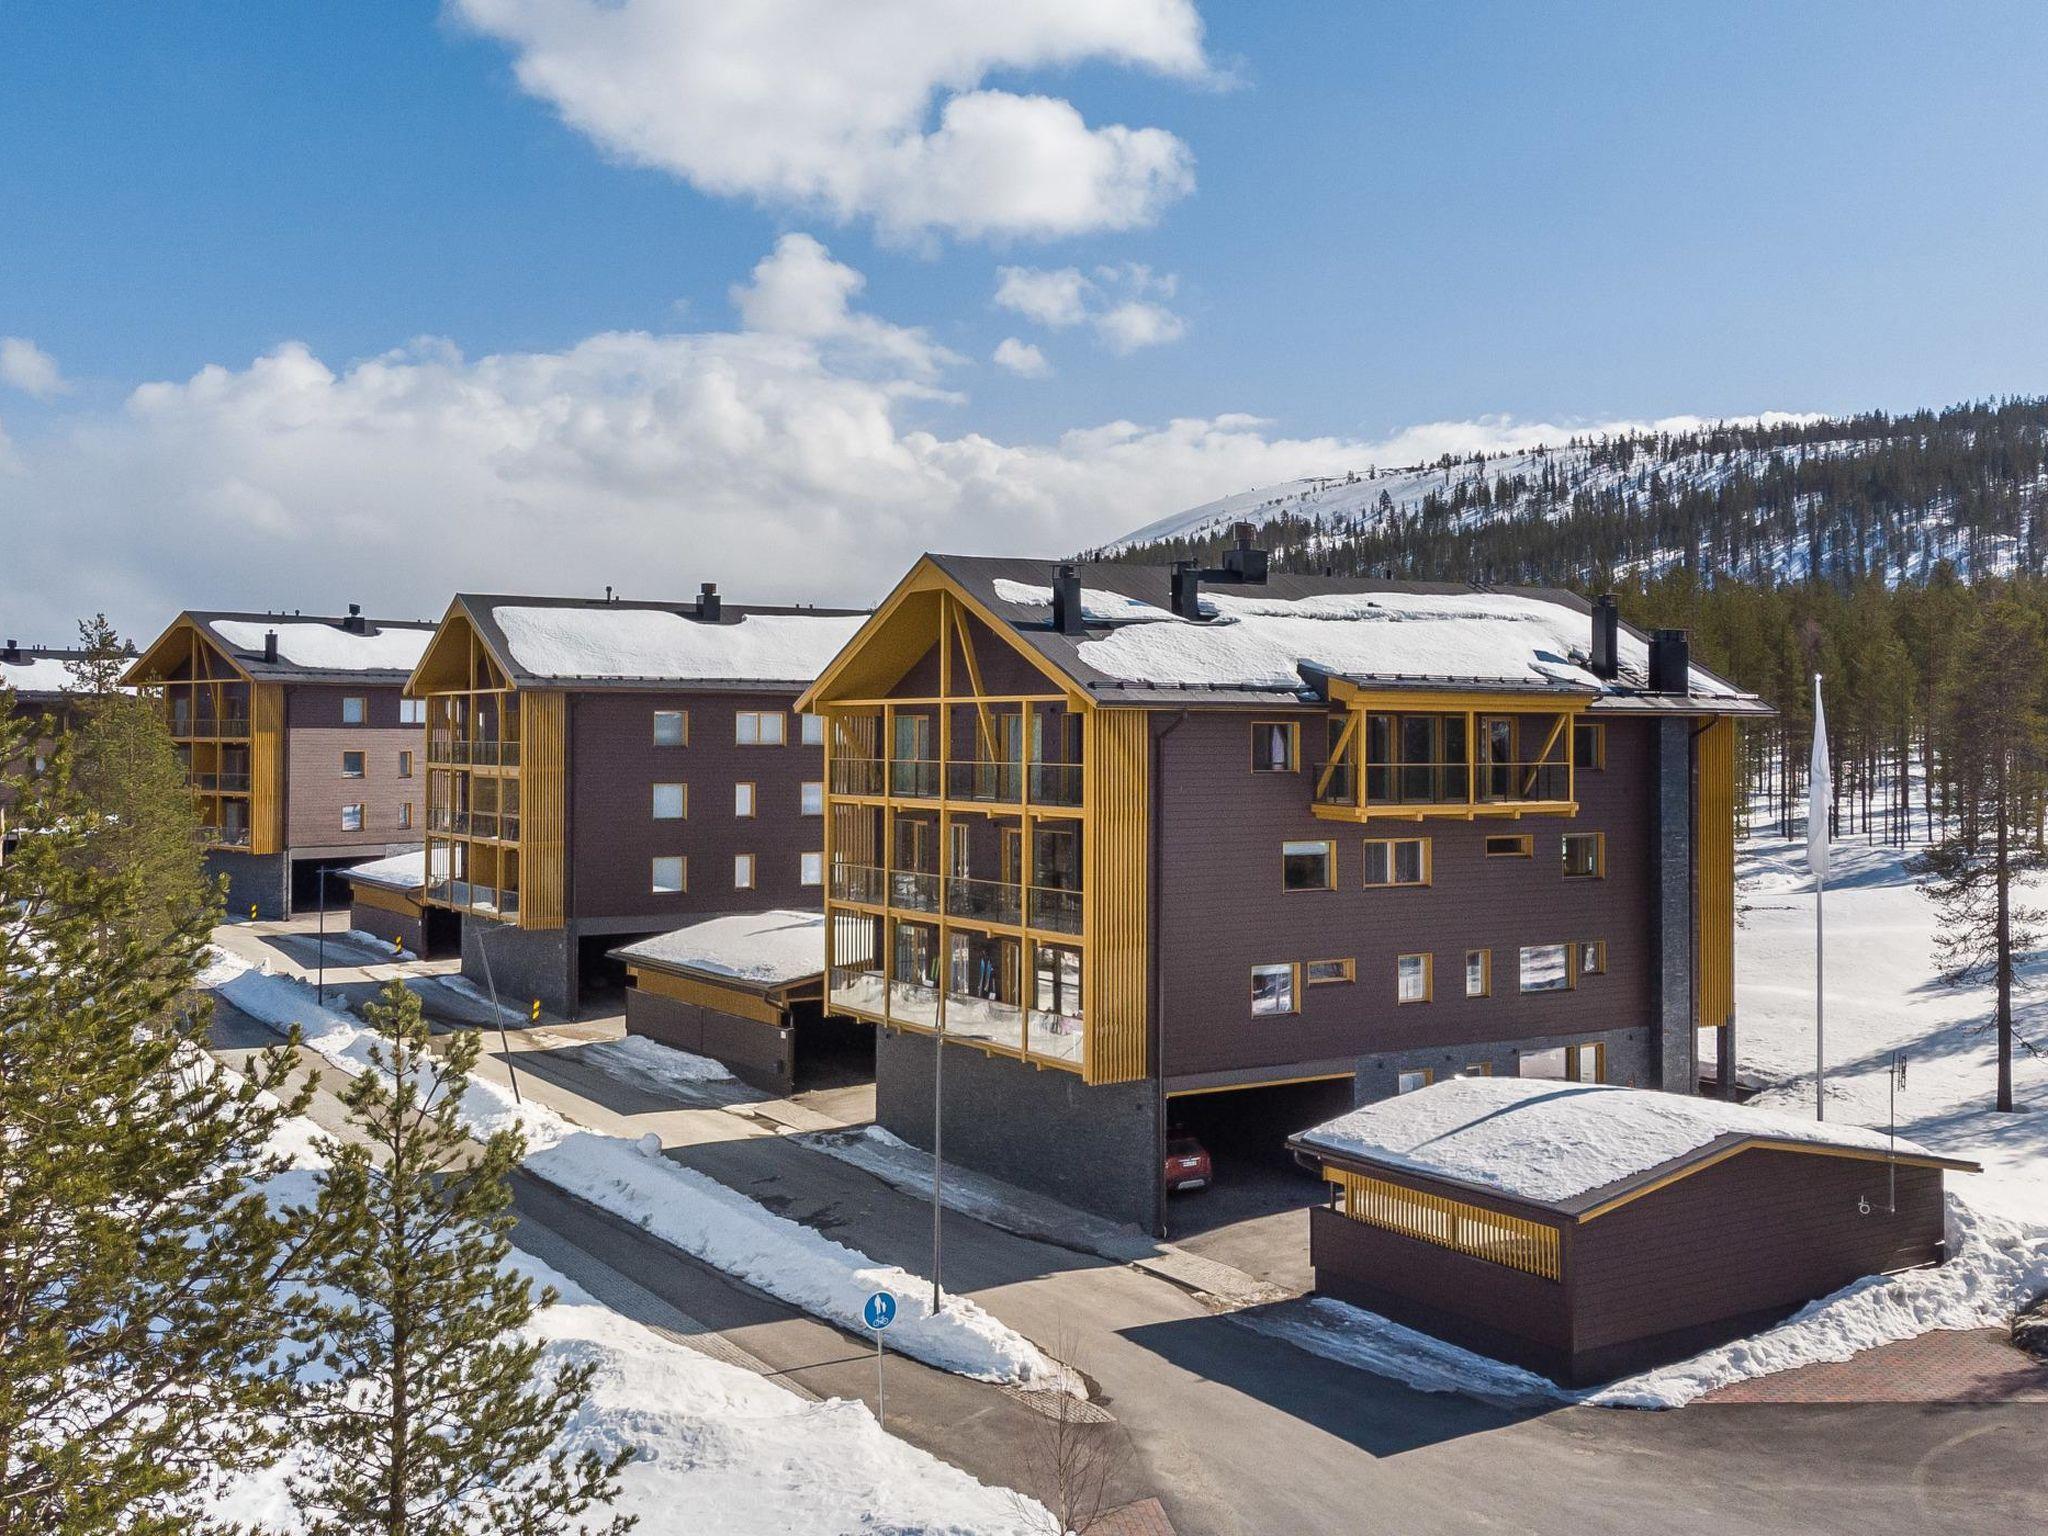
point(1511, 1241)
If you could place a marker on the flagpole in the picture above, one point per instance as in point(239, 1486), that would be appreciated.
point(1819, 791)
point(1820, 1055)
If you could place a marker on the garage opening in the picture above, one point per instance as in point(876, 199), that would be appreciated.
point(831, 1051)
point(308, 875)
point(1244, 1131)
point(600, 975)
point(442, 930)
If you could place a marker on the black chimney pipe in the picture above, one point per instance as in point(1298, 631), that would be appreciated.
point(1670, 661)
point(270, 646)
point(1067, 616)
point(1606, 637)
point(13, 652)
point(1187, 590)
point(354, 622)
point(709, 607)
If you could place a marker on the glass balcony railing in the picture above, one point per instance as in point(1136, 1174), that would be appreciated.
point(1055, 909)
point(1447, 784)
point(480, 752)
point(987, 901)
point(970, 780)
point(1000, 903)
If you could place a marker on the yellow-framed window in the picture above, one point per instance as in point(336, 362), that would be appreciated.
point(1393, 861)
point(1276, 746)
point(1326, 973)
point(1276, 989)
point(1308, 865)
point(1413, 978)
point(1479, 973)
point(1585, 855)
point(1511, 845)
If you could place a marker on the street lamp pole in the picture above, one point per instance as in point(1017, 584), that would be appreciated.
point(483, 948)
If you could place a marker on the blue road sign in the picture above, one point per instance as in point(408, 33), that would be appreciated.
point(880, 1310)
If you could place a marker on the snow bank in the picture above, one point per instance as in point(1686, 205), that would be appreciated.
point(769, 948)
point(377, 941)
point(684, 1208)
point(655, 643)
point(321, 647)
point(1546, 1140)
point(635, 1058)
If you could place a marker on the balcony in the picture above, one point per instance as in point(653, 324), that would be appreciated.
point(224, 837)
point(220, 783)
point(1415, 765)
point(478, 752)
point(493, 826)
point(991, 903)
point(965, 781)
point(209, 727)
point(471, 897)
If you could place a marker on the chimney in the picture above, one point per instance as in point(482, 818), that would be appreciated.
point(1067, 617)
point(1187, 590)
point(1670, 661)
point(270, 646)
point(1244, 561)
point(354, 622)
point(1606, 638)
point(607, 594)
point(12, 653)
point(708, 605)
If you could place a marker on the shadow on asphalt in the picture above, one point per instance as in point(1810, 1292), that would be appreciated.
point(570, 1067)
point(1379, 1416)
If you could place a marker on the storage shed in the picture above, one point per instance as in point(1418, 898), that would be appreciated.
point(387, 898)
point(747, 990)
point(1587, 1231)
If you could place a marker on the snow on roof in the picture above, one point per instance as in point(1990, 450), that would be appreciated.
point(1098, 605)
point(38, 674)
point(401, 872)
point(322, 647)
point(568, 642)
point(767, 948)
point(1540, 1139)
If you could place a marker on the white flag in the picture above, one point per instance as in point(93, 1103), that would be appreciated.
point(1819, 791)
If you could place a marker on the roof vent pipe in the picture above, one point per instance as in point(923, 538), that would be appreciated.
point(1187, 590)
point(13, 652)
point(354, 622)
point(270, 646)
point(1244, 561)
point(1067, 615)
point(1606, 661)
point(1670, 661)
point(708, 605)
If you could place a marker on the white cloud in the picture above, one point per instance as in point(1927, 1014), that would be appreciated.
point(28, 368)
point(1112, 302)
point(1021, 358)
point(1138, 323)
point(821, 104)
point(788, 460)
point(799, 290)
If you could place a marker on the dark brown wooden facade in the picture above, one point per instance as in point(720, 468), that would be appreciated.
point(1688, 1256)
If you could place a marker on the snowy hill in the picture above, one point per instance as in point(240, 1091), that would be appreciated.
point(1891, 496)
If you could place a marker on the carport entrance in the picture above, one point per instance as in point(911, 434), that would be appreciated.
point(1245, 1132)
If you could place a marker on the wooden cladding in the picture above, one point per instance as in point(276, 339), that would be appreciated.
point(266, 768)
point(384, 899)
point(543, 793)
point(1117, 809)
point(728, 1000)
point(1511, 1241)
point(1714, 856)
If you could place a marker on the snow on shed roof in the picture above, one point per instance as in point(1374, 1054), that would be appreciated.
point(768, 949)
point(400, 872)
point(322, 646)
point(593, 641)
point(1548, 1141)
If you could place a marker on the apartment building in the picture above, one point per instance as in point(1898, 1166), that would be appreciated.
point(302, 753)
point(1129, 849)
point(39, 684)
point(601, 771)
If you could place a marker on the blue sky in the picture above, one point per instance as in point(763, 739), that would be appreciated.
point(1382, 216)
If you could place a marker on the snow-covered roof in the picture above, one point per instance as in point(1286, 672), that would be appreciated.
point(766, 949)
point(400, 872)
point(39, 674)
point(560, 640)
point(321, 646)
point(1548, 1141)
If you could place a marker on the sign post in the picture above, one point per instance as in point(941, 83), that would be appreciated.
point(878, 1314)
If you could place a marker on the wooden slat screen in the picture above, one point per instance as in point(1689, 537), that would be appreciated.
point(1715, 842)
point(1511, 1241)
point(1116, 809)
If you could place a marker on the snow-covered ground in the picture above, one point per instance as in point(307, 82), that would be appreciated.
point(684, 1208)
point(717, 1448)
point(1882, 996)
point(637, 1059)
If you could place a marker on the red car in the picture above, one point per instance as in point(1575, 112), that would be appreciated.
point(1187, 1164)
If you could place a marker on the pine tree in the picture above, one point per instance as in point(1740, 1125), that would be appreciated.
point(140, 1329)
point(1994, 738)
point(436, 1420)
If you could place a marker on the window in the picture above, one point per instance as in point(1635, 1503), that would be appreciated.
point(1479, 973)
point(671, 728)
point(1272, 989)
point(758, 728)
point(810, 869)
point(1593, 957)
point(405, 765)
point(1276, 746)
point(1308, 866)
point(1546, 968)
point(405, 815)
point(1522, 847)
point(1585, 855)
point(1408, 1082)
point(1477, 1069)
point(1589, 745)
point(670, 873)
point(354, 710)
point(743, 871)
point(810, 798)
point(1323, 973)
point(351, 765)
point(1411, 979)
point(351, 818)
point(743, 799)
point(412, 711)
point(671, 802)
point(1397, 861)
point(1566, 1063)
point(813, 728)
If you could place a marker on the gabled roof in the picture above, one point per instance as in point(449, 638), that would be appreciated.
point(1277, 640)
point(575, 642)
point(39, 673)
point(311, 648)
point(1575, 1148)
